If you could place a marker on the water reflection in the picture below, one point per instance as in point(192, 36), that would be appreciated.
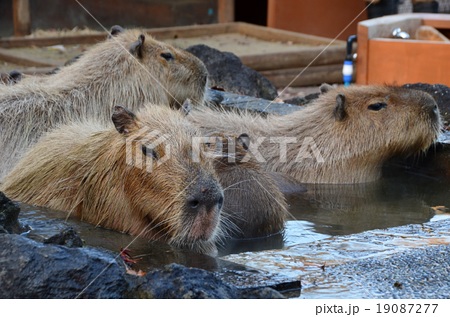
point(403, 196)
point(150, 254)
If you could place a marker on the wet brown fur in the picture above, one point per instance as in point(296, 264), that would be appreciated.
point(353, 140)
point(82, 168)
point(118, 70)
point(254, 206)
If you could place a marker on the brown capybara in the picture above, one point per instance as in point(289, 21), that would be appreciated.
point(136, 177)
point(254, 206)
point(130, 67)
point(344, 136)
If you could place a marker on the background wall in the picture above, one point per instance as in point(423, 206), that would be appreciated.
point(47, 14)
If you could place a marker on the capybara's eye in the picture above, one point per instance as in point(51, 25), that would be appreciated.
point(377, 106)
point(150, 152)
point(167, 56)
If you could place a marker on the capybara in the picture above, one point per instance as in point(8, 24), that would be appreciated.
point(344, 136)
point(130, 67)
point(254, 206)
point(136, 176)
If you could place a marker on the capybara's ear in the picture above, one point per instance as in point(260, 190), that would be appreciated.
point(244, 141)
point(124, 120)
point(339, 110)
point(15, 76)
point(136, 48)
point(116, 29)
point(324, 88)
point(186, 107)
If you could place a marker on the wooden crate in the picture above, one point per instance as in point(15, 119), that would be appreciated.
point(277, 54)
point(385, 60)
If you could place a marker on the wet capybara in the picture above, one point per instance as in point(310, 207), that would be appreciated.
point(136, 177)
point(344, 136)
point(254, 206)
point(130, 67)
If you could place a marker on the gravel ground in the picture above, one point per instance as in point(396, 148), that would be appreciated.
point(415, 274)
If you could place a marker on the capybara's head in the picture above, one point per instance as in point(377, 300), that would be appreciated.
point(378, 122)
point(137, 175)
point(254, 206)
point(176, 193)
point(178, 73)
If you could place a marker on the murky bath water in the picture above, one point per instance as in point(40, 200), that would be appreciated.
point(403, 196)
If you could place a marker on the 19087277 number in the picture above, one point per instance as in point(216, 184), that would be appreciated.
point(406, 308)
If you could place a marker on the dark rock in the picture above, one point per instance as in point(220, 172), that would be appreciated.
point(245, 103)
point(440, 93)
point(430, 6)
point(9, 213)
point(30, 269)
point(227, 71)
point(177, 281)
point(68, 237)
point(302, 101)
point(296, 101)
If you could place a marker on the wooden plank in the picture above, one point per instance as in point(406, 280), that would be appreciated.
point(362, 54)
point(301, 58)
point(272, 34)
point(314, 75)
point(429, 33)
point(193, 30)
point(225, 11)
point(438, 21)
point(383, 27)
point(11, 42)
point(259, 32)
point(409, 61)
point(21, 17)
point(10, 57)
point(160, 33)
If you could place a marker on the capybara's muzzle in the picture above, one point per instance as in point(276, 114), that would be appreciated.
point(204, 196)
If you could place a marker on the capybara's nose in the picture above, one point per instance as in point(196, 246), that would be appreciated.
point(207, 199)
point(206, 195)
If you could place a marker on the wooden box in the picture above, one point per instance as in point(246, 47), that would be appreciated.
point(284, 57)
point(382, 59)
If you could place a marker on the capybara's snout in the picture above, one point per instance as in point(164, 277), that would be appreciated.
point(430, 106)
point(204, 196)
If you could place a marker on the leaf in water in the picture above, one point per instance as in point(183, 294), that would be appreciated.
point(440, 210)
point(135, 273)
point(126, 257)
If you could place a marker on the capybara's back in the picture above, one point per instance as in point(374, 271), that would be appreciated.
point(345, 136)
point(130, 67)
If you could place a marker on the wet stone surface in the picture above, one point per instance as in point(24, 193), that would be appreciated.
point(419, 274)
point(367, 265)
point(40, 250)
